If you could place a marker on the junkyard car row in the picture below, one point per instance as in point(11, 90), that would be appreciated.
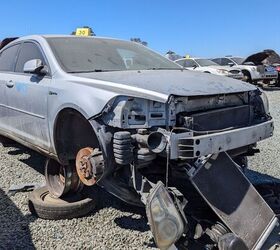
point(115, 114)
point(252, 67)
point(257, 68)
point(208, 66)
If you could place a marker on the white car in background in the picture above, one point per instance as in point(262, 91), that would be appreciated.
point(208, 66)
point(252, 67)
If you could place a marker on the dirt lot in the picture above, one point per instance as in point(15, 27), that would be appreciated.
point(113, 224)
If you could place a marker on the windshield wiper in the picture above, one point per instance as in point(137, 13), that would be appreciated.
point(93, 70)
point(159, 68)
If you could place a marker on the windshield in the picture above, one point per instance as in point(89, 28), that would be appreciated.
point(85, 54)
point(238, 60)
point(205, 62)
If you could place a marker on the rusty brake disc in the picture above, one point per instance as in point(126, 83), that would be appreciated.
point(89, 162)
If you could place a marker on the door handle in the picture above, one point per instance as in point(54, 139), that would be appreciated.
point(10, 84)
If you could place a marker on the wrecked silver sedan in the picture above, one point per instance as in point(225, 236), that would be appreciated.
point(116, 114)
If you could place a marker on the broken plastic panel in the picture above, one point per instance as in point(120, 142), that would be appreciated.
point(234, 199)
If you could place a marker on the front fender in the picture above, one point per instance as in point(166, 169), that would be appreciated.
point(88, 101)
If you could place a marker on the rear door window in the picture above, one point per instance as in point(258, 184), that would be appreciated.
point(217, 60)
point(8, 58)
point(181, 62)
point(225, 61)
point(28, 51)
point(189, 63)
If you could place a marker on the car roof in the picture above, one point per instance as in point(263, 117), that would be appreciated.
point(232, 57)
point(189, 58)
point(40, 37)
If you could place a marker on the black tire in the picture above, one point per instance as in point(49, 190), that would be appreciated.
point(247, 77)
point(6, 141)
point(277, 82)
point(42, 205)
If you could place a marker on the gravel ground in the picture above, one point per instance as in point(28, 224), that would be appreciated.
point(113, 225)
point(267, 162)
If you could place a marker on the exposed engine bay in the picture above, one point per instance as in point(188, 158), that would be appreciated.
point(162, 155)
point(116, 114)
point(188, 123)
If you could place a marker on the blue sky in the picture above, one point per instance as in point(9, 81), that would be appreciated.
point(199, 28)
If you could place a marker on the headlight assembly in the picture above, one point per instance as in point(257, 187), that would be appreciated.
point(265, 102)
point(259, 101)
point(222, 71)
point(165, 221)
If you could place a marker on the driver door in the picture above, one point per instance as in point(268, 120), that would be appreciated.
point(7, 64)
point(27, 99)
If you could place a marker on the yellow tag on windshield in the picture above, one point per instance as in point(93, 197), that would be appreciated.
point(83, 32)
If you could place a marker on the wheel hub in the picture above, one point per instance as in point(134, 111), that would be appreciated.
point(89, 163)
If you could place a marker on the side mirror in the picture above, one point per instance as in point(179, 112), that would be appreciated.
point(195, 66)
point(230, 64)
point(35, 66)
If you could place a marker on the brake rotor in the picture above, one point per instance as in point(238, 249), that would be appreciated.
point(89, 163)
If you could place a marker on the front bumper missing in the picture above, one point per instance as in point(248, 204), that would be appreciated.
point(188, 146)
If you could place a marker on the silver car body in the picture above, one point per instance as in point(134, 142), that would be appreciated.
point(28, 110)
point(189, 117)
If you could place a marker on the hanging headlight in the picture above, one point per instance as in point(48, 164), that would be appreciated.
point(265, 102)
point(165, 221)
point(259, 100)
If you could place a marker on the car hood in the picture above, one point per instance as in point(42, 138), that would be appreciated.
point(273, 58)
point(222, 67)
point(257, 58)
point(160, 84)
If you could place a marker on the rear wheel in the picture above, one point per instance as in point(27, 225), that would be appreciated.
point(247, 77)
point(277, 83)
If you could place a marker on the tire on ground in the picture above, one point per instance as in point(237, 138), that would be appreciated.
point(42, 205)
point(247, 77)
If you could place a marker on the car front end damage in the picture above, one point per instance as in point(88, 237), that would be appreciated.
point(170, 140)
point(181, 159)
